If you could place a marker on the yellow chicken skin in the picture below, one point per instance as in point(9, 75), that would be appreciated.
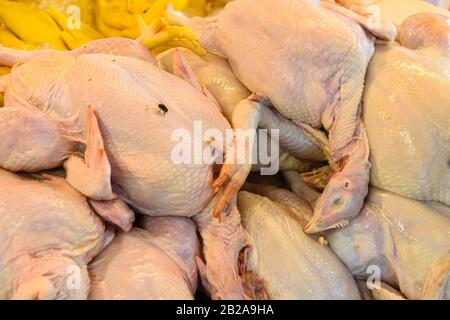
point(73, 37)
point(142, 20)
point(160, 36)
point(119, 18)
point(9, 39)
point(30, 24)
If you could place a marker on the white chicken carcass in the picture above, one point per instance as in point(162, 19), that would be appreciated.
point(129, 138)
point(400, 241)
point(155, 263)
point(407, 114)
point(309, 63)
point(291, 264)
point(49, 234)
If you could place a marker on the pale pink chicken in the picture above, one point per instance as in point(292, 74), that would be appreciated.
point(129, 143)
point(401, 241)
point(292, 265)
point(156, 263)
point(407, 111)
point(48, 235)
point(306, 65)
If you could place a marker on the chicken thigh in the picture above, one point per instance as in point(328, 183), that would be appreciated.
point(47, 240)
point(308, 62)
point(291, 264)
point(157, 263)
point(403, 242)
point(133, 119)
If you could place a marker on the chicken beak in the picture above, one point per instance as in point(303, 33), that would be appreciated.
point(314, 225)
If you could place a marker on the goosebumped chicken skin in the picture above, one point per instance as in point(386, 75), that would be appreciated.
point(310, 66)
point(135, 155)
point(404, 241)
point(133, 119)
point(290, 263)
point(216, 77)
point(49, 234)
point(155, 263)
point(408, 126)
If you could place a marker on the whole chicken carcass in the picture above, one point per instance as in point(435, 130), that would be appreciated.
point(49, 234)
point(308, 62)
point(290, 263)
point(133, 119)
point(158, 263)
point(399, 241)
point(407, 116)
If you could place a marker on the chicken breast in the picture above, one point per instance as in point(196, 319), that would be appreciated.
point(148, 137)
point(407, 116)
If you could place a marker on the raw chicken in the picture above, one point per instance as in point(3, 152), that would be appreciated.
point(142, 116)
point(215, 74)
point(399, 10)
point(157, 263)
point(114, 46)
point(381, 292)
point(218, 80)
point(407, 116)
point(427, 32)
point(49, 234)
point(403, 241)
point(291, 264)
point(309, 63)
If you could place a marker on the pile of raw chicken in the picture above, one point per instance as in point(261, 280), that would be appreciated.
point(93, 207)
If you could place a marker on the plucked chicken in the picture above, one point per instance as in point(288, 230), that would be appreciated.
point(49, 234)
point(402, 241)
point(426, 32)
point(91, 135)
point(124, 110)
point(409, 126)
point(155, 263)
point(290, 263)
point(310, 66)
